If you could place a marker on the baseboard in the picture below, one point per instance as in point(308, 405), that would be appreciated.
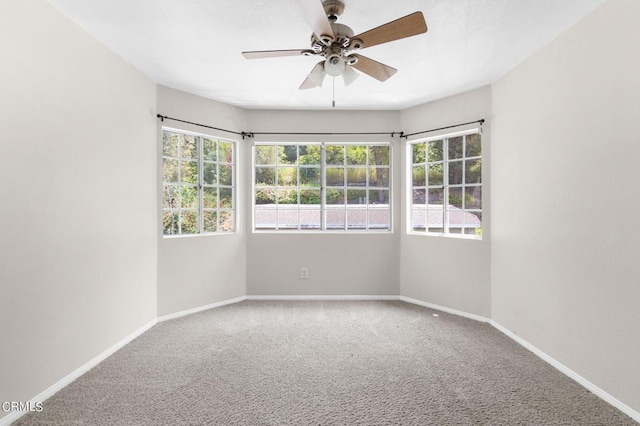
point(321, 297)
point(570, 373)
point(444, 309)
point(200, 308)
point(51, 390)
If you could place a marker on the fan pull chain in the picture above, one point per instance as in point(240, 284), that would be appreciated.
point(333, 99)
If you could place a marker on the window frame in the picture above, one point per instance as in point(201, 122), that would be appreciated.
point(201, 185)
point(446, 186)
point(323, 229)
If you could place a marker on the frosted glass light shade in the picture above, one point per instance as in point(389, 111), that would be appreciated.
point(334, 65)
point(349, 75)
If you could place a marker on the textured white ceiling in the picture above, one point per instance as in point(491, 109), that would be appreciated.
point(195, 45)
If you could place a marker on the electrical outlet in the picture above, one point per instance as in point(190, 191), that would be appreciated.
point(304, 273)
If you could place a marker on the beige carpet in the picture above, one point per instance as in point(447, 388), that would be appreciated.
point(324, 363)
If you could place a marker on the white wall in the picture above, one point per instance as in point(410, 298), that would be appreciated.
point(339, 263)
point(565, 261)
point(450, 272)
point(195, 271)
point(77, 200)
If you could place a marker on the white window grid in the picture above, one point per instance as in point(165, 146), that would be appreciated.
point(200, 185)
point(324, 207)
point(445, 186)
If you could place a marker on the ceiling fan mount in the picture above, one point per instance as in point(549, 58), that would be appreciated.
point(336, 43)
point(333, 9)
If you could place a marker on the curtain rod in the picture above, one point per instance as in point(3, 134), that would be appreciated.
point(326, 133)
point(481, 121)
point(252, 134)
point(164, 117)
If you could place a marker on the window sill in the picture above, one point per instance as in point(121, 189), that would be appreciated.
point(453, 236)
point(294, 232)
point(209, 234)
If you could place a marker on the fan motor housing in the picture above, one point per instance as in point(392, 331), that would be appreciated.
point(342, 32)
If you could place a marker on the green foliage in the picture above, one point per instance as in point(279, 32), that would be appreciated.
point(209, 149)
point(436, 174)
point(473, 171)
point(226, 198)
point(225, 152)
point(455, 172)
point(210, 221)
point(379, 155)
point(334, 196)
point(189, 197)
point(435, 151)
point(473, 145)
point(356, 196)
point(169, 196)
point(210, 197)
point(188, 146)
point(356, 155)
point(418, 176)
point(310, 176)
point(265, 155)
point(334, 176)
point(287, 176)
point(357, 176)
point(189, 222)
point(169, 170)
point(287, 196)
point(419, 153)
point(210, 173)
point(379, 176)
point(170, 144)
point(288, 154)
point(310, 196)
point(310, 155)
point(226, 221)
point(378, 196)
point(170, 221)
point(455, 197)
point(265, 196)
point(455, 147)
point(473, 197)
point(189, 171)
point(265, 176)
point(225, 172)
point(334, 155)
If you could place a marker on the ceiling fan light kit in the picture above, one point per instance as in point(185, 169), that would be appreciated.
point(336, 43)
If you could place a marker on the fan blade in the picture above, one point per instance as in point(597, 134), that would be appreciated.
point(408, 26)
point(259, 54)
point(349, 75)
point(375, 69)
point(313, 12)
point(315, 77)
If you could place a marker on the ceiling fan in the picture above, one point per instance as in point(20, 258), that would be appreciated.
point(336, 43)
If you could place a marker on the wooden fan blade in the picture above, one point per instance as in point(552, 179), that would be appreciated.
point(313, 12)
point(408, 26)
point(307, 84)
point(260, 54)
point(315, 77)
point(375, 69)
